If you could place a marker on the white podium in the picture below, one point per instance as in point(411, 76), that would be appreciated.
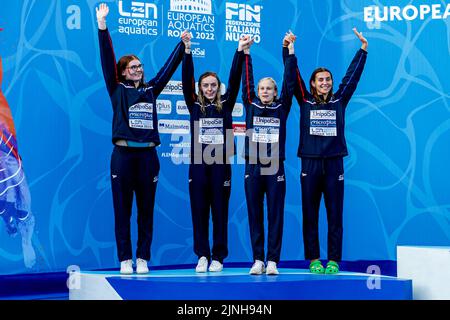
point(429, 269)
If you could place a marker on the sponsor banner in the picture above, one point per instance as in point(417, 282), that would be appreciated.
point(173, 126)
point(242, 19)
point(138, 18)
point(436, 11)
point(193, 15)
point(323, 123)
point(173, 88)
point(164, 106)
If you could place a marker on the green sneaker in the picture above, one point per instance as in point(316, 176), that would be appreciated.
point(332, 267)
point(316, 267)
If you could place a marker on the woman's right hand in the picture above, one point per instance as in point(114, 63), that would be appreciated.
point(102, 11)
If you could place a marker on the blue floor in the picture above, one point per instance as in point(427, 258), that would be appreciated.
point(237, 284)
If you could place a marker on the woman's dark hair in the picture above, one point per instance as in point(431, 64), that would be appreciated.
point(201, 97)
point(313, 90)
point(123, 64)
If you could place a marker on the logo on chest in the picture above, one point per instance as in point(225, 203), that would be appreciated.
point(266, 129)
point(140, 116)
point(323, 123)
point(211, 131)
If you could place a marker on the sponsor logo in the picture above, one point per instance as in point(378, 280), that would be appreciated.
point(323, 114)
point(173, 88)
point(141, 107)
point(182, 107)
point(211, 122)
point(227, 183)
point(266, 121)
point(280, 178)
point(242, 19)
point(138, 18)
point(139, 10)
point(193, 15)
point(164, 106)
point(304, 174)
point(114, 176)
point(174, 126)
point(198, 53)
point(410, 12)
point(341, 177)
point(323, 123)
point(246, 176)
point(155, 179)
point(238, 110)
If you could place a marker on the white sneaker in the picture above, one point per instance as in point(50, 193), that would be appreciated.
point(215, 266)
point(126, 266)
point(141, 266)
point(202, 265)
point(258, 267)
point(272, 268)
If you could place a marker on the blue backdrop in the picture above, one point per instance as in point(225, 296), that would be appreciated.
point(397, 125)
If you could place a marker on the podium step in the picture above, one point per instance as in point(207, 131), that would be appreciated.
point(429, 269)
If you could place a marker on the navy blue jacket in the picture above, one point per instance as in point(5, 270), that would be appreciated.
point(211, 126)
point(266, 124)
point(322, 125)
point(134, 109)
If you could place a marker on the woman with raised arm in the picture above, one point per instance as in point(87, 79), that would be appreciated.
point(212, 144)
point(322, 149)
point(266, 113)
point(134, 160)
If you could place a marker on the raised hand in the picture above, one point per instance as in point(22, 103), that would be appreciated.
point(363, 40)
point(186, 37)
point(245, 43)
point(102, 11)
point(289, 38)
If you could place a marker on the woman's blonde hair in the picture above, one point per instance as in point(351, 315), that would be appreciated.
point(201, 97)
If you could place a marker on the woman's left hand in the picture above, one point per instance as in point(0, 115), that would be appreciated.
point(363, 40)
